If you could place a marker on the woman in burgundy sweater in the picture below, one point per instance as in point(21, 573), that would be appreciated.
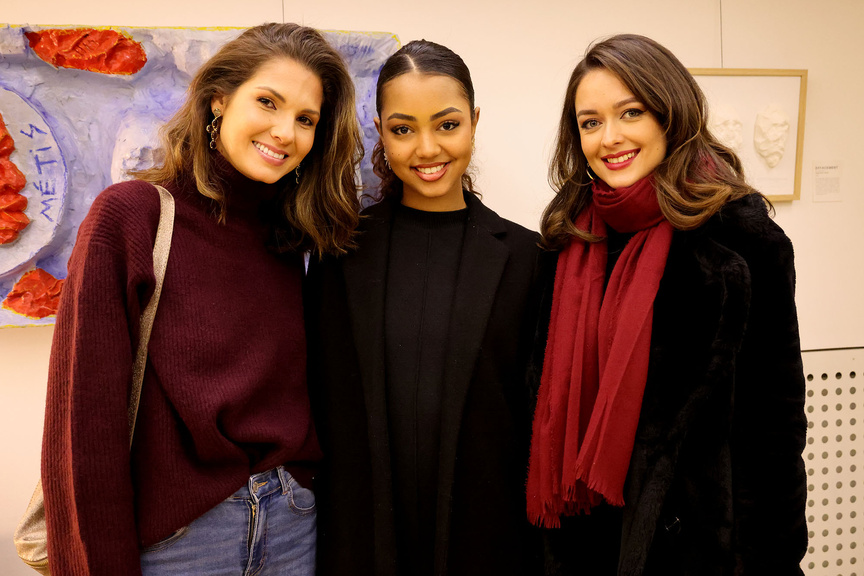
point(260, 161)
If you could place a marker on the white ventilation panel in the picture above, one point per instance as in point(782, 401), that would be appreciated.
point(833, 458)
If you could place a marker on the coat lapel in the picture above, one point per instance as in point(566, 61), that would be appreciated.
point(365, 278)
point(484, 257)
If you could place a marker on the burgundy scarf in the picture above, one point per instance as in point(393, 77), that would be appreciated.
point(596, 361)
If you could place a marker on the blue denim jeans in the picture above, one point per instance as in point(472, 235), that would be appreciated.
point(266, 528)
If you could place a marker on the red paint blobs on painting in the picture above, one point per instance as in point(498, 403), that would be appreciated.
point(103, 51)
point(12, 181)
point(35, 295)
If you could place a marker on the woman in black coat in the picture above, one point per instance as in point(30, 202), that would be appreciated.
point(670, 421)
point(419, 342)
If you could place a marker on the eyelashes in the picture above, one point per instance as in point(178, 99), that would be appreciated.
point(271, 105)
point(446, 126)
point(628, 114)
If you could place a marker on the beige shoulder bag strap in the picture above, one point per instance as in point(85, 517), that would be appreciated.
point(161, 248)
point(31, 535)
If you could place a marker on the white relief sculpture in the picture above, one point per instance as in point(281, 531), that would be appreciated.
point(770, 134)
point(725, 124)
point(187, 52)
point(135, 147)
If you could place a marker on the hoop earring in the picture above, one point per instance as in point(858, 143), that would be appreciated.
point(213, 127)
point(590, 173)
point(387, 161)
point(297, 175)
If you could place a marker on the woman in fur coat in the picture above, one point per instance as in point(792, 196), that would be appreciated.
point(670, 419)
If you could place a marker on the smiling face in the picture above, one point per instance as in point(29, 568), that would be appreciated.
point(268, 123)
point(427, 132)
point(621, 139)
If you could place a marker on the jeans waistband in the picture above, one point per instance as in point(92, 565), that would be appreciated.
point(264, 483)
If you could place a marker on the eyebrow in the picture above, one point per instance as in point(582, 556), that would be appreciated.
point(409, 118)
point(272, 91)
point(398, 116)
point(444, 112)
point(282, 99)
point(616, 105)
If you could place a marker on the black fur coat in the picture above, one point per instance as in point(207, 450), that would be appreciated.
point(716, 484)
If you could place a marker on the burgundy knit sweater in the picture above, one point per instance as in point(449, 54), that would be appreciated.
point(224, 393)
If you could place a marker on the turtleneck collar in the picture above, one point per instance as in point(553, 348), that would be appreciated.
point(425, 219)
point(242, 194)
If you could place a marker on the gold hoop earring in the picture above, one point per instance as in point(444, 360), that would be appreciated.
point(590, 173)
point(213, 127)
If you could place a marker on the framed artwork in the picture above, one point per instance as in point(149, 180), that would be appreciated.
point(759, 113)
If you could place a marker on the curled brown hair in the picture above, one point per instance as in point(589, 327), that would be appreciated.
point(321, 212)
point(424, 57)
point(699, 174)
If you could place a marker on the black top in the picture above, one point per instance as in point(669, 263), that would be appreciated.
point(423, 264)
point(615, 244)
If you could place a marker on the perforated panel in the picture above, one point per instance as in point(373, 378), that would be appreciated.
point(835, 470)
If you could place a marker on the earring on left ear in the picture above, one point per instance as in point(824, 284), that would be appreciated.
point(213, 127)
point(297, 175)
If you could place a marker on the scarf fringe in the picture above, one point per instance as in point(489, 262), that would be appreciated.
point(550, 512)
point(600, 491)
point(544, 519)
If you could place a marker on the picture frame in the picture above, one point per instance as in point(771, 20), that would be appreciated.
point(760, 113)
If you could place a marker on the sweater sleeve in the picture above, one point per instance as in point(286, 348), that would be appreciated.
point(85, 456)
point(769, 427)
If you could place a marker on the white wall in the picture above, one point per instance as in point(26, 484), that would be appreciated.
point(520, 54)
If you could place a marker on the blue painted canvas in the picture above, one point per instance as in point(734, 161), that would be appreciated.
point(76, 132)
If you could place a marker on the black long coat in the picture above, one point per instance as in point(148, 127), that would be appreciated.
point(716, 484)
point(481, 525)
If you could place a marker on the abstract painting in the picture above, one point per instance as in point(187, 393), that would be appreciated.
point(81, 106)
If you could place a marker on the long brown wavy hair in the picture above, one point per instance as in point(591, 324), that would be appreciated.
point(321, 212)
point(424, 57)
point(699, 174)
